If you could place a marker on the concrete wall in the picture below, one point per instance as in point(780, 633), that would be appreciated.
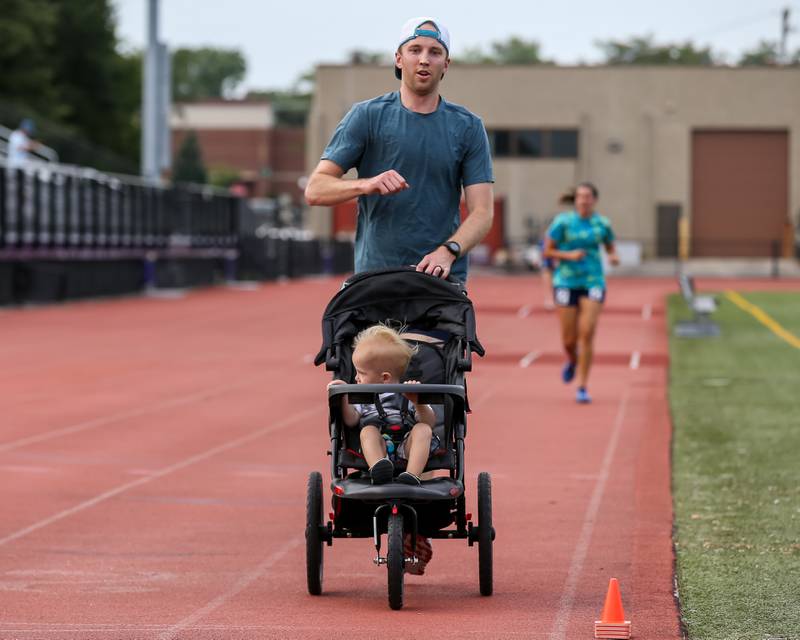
point(635, 127)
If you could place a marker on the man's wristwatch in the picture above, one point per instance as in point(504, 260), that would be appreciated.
point(453, 247)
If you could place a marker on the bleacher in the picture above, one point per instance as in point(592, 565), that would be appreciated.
point(71, 232)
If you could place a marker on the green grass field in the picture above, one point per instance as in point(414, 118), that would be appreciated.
point(735, 404)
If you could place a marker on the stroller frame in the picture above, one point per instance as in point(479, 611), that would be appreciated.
point(436, 508)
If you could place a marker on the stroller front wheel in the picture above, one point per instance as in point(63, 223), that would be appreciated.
point(395, 560)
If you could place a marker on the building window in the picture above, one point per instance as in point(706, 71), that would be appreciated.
point(529, 143)
point(564, 143)
point(500, 143)
point(534, 143)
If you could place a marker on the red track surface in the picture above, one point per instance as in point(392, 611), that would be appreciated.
point(154, 456)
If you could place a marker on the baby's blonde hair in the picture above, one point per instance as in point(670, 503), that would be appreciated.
point(387, 349)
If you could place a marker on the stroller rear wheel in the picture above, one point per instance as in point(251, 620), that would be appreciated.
point(395, 560)
point(485, 533)
point(314, 539)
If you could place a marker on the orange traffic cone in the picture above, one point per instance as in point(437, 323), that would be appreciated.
point(612, 623)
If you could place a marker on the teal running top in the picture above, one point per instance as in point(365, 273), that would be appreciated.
point(437, 153)
point(570, 231)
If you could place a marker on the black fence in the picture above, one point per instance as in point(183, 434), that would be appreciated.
point(70, 232)
point(65, 209)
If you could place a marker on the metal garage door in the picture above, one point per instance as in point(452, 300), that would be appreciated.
point(740, 192)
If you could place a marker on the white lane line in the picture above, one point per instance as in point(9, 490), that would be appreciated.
point(529, 359)
point(240, 585)
point(525, 311)
point(635, 359)
point(558, 631)
point(17, 468)
point(119, 417)
point(647, 311)
point(200, 457)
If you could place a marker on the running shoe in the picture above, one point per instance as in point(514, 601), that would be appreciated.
point(424, 554)
point(582, 396)
point(409, 478)
point(382, 471)
point(568, 372)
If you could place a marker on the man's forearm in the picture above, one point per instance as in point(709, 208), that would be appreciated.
point(326, 190)
point(474, 228)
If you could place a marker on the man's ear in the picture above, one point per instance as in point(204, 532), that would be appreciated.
point(397, 60)
point(386, 377)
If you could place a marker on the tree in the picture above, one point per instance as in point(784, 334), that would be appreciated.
point(98, 88)
point(60, 64)
point(362, 56)
point(515, 50)
point(290, 108)
point(223, 176)
point(188, 165)
point(26, 33)
point(206, 73)
point(642, 50)
point(767, 54)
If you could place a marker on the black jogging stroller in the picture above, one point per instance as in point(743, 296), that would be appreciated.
point(435, 509)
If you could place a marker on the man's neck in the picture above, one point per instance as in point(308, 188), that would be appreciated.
point(427, 103)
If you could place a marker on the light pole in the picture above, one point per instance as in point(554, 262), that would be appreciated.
point(156, 100)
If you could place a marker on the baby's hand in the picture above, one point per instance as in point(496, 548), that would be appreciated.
point(412, 397)
point(332, 384)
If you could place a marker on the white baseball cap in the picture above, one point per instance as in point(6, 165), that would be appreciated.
point(411, 29)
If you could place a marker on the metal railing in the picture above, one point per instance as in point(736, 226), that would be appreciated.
point(52, 210)
point(41, 152)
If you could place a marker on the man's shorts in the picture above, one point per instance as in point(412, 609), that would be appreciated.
point(565, 297)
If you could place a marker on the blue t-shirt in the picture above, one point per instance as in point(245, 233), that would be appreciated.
point(437, 153)
point(570, 231)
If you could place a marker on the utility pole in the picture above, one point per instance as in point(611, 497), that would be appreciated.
point(156, 100)
point(150, 96)
point(783, 54)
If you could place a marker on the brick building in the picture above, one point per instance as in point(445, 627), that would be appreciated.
point(241, 136)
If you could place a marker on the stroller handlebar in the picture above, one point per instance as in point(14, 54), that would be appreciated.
point(365, 393)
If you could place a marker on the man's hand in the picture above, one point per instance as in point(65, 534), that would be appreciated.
point(437, 263)
point(613, 259)
point(385, 183)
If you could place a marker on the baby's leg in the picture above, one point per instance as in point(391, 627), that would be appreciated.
point(418, 448)
point(373, 446)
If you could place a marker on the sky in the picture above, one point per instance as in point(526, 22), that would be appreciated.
point(283, 40)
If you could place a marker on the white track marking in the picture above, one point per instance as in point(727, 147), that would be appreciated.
point(200, 457)
point(558, 632)
point(118, 417)
point(529, 359)
point(647, 311)
point(636, 357)
point(240, 585)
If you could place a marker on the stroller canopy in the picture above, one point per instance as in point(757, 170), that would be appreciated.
point(406, 296)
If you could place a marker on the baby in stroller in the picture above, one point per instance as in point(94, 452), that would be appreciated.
point(396, 426)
